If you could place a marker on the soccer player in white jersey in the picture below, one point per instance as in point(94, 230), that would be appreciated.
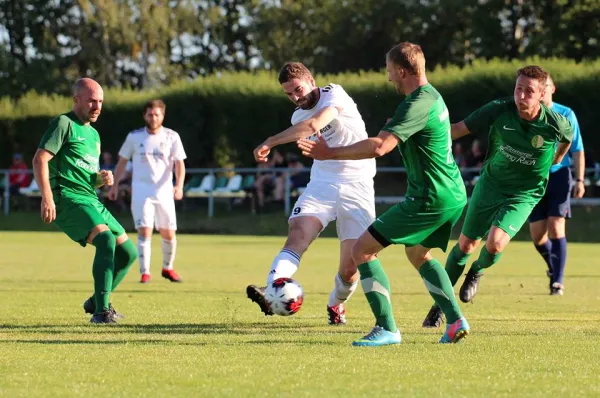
point(340, 190)
point(155, 152)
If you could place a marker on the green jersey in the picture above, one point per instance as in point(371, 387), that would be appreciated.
point(520, 152)
point(422, 124)
point(76, 150)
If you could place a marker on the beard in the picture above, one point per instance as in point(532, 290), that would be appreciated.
point(310, 99)
point(152, 127)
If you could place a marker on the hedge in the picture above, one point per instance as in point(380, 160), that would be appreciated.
point(221, 118)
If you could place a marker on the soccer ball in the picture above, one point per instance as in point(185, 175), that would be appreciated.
point(284, 296)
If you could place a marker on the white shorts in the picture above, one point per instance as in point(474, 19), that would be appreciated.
point(149, 212)
point(352, 204)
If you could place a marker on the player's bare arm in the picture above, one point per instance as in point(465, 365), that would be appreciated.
point(301, 130)
point(120, 170)
point(459, 130)
point(179, 178)
point(561, 151)
point(41, 173)
point(370, 148)
point(579, 162)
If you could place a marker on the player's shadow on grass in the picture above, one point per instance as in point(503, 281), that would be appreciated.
point(89, 342)
point(234, 328)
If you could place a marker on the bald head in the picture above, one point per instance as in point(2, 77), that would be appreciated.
point(88, 97)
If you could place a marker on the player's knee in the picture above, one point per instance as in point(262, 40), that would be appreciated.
point(105, 240)
point(467, 245)
point(494, 246)
point(556, 229)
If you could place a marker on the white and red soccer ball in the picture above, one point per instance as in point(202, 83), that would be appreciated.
point(284, 296)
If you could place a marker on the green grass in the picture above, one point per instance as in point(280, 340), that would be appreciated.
point(204, 338)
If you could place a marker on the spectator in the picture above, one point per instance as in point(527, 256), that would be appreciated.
point(459, 155)
point(107, 162)
point(474, 159)
point(297, 179)
point(265, 181)
point(18, 180)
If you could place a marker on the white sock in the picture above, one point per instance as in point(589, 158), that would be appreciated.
point(341, 291)
point(169, 247)
point(284, 265)
point(144, 246)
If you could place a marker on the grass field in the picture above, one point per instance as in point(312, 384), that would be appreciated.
point(204, 338)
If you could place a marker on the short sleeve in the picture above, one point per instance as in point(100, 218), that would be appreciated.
point(410, 117)
point(56, 135)
point(335, 96)
point(480, 120)
point(177, 151)
point(565, 131)
point(127, 148)
point(577, 142)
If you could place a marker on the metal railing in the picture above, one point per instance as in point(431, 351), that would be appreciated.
point(592, 173)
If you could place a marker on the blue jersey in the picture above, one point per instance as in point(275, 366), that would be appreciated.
point(576, 143)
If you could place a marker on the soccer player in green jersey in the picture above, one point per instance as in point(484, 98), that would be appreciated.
point(525, 139)
point(434, 200)
point(66, 170)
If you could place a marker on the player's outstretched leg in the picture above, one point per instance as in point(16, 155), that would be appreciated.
point(302, 231)
point(102, 270)
point(284, 265)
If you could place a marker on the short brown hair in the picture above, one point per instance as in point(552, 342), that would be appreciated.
point(155, 103)
point(293, 70)
point(408, 56)
point(534, 72)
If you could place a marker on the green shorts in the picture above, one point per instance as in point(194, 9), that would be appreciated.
point(408, 224)
point(77, 216)
point(489, 207)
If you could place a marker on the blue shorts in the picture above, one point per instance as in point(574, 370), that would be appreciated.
point(557, 199)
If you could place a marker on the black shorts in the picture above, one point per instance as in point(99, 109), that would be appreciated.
point(556, 202)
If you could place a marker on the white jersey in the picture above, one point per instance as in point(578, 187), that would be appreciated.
point(346, 129)
point(153, 157)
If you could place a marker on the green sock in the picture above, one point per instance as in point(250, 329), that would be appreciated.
point(485, 260)
point(439, 286)
point(103, 269)
point(376, 287)
point(455, 264)
point(125, 255)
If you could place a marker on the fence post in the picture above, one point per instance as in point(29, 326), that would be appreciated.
point(6, 195)
point(288, 189)
point(211, 199)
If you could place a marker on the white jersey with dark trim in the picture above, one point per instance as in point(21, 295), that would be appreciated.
point(346, 129)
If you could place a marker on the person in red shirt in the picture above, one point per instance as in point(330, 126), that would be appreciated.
point(18, 180)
